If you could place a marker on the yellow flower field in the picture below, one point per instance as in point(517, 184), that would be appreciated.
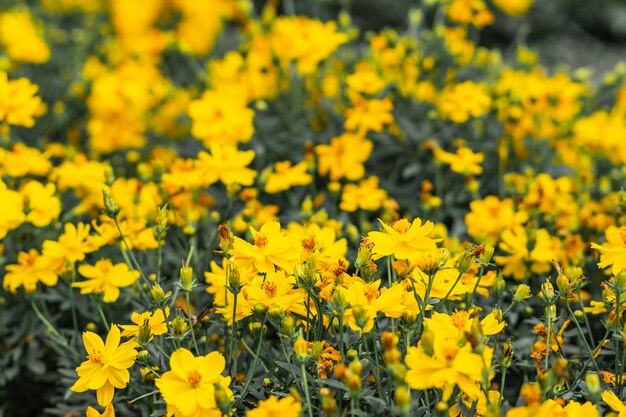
point(261, 208)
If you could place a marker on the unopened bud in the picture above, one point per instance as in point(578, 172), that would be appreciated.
point(186, 277)
point(301, 349)
point(111, 208)
point(226, 239)
point(521, 293)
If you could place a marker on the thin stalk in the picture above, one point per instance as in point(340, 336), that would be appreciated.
point(250, 372)
point(103, 317)
point(306, 390)
point(233, 336)
point(193, 334)
point(49, 325)
point(471, 297)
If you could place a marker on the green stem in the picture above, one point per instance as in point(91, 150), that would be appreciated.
point(548, 339)
point(233, 336)
point(502, 380)
point(193, 333)
point(471, 297)
point(49, 325)
point(306, 390)
point(103, 317)
point(251, 371)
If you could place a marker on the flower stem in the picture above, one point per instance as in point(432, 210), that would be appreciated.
point(193, 333)
point(306, 390)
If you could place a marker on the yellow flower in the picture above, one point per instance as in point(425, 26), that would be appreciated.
point(106, 278)
point(473, 12)
point(613, 251)
point(271, 248)
point(285, 407)
point(19, 104)
point(447, 363)
point(461, 101)
point(515, 242)
point(109, 411)
point(226, 164)
point(457, 324)
point(368, 115)
point(275, 289)
point(41, 204)
point(156, 322)
point(20, 36)
point(71, 246)
point(30, 269)
point(403, 240)
point(365, 196)
point(365, 81)
point(513, 7)
point(489, 217)
point(21, 160)
point(614, 402)
point(188, 388)
point(222, 117)
point(464, 161)
point(305, 41)
point(106, 367)
point(344, 157)
point(553, 408)
point(286, 176)
point(11, 213)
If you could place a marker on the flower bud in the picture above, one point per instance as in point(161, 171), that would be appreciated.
point(507, 354)
point(111, 208)
point(465, 260)
point(186, 277)
point(619, 283)
point(159, 297)
point(428, 339)
point(226, 239)
point(179, 326)
point(143, 356)
point(402, 398)
point(328, 403)
point(547, 291)
point(144, 333)
point(161, 221)
point(233, 279)
point(592, 380)
point(521, 293)
point(301, 349)
point(222, 399)
point(364, 255)
point(485, 257)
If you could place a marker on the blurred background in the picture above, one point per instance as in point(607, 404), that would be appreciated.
point(576, 33)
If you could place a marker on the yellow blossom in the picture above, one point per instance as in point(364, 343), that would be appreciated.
point(366, 196)
point(105, 278)
point(19, 104)
point(286, 176)
point(403, 240)
point(189, 387)
point(106, 367)
point(20, 37)
point(344, 157)
point(285, 407)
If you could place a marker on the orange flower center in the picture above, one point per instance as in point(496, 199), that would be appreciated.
point(194, 378)
point(450, 351)
point(260, 240)
point(370, 293)
point(95, 356)
point(402, 226)
point(270, 289)
point(459, 319)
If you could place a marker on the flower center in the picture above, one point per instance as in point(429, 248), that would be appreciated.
point(371, 293)
point(450, 351)
point(459, 319)
point(95, 356)
point(260, 240)
point(194, 378)
point(402, 226)
point(270, 289)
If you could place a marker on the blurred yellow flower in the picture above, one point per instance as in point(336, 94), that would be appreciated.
point(365, 196)
point(285, 407)
point(286, 176)
point(344, 157)
point(105, 278)
point(19, 103)
point(21, 38)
